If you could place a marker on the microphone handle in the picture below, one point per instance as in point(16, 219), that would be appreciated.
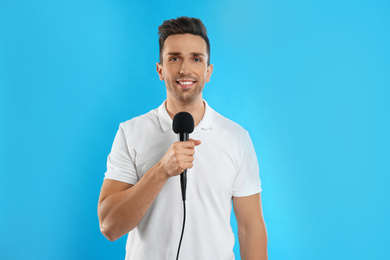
point(183, 175)
point(183, 184)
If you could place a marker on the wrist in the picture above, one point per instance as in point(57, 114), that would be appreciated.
point(161, 172)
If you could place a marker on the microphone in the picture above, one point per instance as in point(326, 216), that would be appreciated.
point(183, 125)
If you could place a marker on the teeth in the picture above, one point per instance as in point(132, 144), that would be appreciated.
point(186, 82)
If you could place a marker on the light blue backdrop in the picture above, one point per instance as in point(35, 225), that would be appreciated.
point(308, 79)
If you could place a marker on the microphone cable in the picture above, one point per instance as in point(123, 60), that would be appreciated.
point(182, 231)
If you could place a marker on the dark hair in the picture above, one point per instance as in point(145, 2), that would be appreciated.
point(182, 25)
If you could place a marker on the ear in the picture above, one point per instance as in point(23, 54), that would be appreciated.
point(209, 72)
point(159, 69)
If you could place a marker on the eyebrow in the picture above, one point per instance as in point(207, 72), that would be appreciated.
point(192, 53)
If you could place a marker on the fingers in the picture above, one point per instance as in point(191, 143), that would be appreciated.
point(185, 162)
point(180, 156)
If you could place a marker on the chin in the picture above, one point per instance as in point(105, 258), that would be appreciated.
point(187, 98)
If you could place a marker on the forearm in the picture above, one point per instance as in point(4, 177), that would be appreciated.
point(253, 244)
point(120, 212)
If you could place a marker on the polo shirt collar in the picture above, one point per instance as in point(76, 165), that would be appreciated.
point(166, 121)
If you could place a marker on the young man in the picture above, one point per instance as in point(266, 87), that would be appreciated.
point(141, 192)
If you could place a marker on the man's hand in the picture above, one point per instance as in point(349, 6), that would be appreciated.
point(180, 156)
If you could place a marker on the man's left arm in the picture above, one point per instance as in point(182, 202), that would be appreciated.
point(252, 234)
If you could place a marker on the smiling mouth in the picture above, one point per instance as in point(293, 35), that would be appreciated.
point(185, 84)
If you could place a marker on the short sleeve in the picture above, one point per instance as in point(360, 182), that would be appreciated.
point(247, 181)
point(120, 162)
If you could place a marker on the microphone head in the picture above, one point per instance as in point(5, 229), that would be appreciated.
point(183, 122)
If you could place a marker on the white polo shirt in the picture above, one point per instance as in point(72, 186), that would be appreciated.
point(225, 165)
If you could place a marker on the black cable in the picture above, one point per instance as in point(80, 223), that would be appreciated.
point(182, 231)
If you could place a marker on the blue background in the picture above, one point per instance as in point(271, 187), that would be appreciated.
point(309, 80)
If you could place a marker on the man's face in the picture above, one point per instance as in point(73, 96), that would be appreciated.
point(184, 67)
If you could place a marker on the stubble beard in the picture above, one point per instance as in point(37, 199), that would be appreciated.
point(185, 96)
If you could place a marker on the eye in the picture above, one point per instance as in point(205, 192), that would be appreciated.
point(174, 59)
point(197, 59)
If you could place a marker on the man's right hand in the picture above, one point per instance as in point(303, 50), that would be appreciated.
point(180, 156)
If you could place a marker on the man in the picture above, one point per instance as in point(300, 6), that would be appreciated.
point(141, 192)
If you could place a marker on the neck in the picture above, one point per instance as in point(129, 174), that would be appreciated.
point(196, 108)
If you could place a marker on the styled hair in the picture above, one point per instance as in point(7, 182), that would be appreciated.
point(182, 25)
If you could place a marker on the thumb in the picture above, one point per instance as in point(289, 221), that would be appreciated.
point(196, 142)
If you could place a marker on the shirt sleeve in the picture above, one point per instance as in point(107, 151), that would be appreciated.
point(247, 181)
point(120, 161)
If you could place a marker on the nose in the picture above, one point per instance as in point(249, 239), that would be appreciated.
point(184, 69)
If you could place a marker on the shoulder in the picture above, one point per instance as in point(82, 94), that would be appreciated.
point(224, 124)
point(147, 121)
